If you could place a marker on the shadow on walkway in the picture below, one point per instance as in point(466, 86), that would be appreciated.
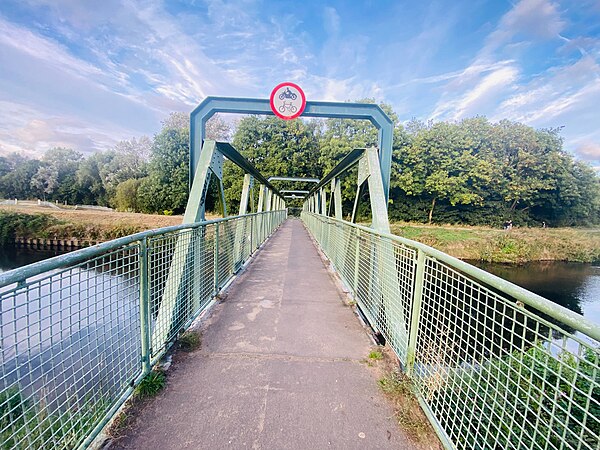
point(280, 367)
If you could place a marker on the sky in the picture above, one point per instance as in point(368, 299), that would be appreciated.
point(86, 74)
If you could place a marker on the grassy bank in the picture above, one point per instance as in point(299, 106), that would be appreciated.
point(83, 225)
point(518, 245)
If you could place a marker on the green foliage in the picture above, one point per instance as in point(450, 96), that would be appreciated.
point(152, 384)
point(276, 148)
point(375, 354)
point(25, 423)
point(473, 171)
point(126, 195)
point(524, 399)
point(16, 224)
point(166, 186)
point(395, 383)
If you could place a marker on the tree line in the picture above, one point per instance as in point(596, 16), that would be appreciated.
point(472, 172)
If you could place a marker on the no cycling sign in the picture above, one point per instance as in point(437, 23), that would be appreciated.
point(287, 101)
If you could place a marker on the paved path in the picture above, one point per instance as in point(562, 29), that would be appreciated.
point(280, 367)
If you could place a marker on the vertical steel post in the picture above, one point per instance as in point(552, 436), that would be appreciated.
point(216, 260)
point(144, 306)
point(415, 313)
point(251, 234)
point(356, 262)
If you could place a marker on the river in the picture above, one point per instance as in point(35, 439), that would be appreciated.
point(572, 285)
point(66, 317)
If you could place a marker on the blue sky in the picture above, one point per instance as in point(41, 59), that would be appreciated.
point(86, 74)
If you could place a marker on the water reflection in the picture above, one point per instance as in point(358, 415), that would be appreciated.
point(70, 333)
point(572, 285)
point(12, 257)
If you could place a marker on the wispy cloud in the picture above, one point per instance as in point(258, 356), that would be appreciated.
point(91, 75)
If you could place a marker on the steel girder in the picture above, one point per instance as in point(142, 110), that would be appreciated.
point(371, 112)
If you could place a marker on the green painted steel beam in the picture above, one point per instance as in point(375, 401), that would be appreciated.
point(297, 179)
point(349, 161)
point(237, 158)
point(291, 191)
point(367, 111)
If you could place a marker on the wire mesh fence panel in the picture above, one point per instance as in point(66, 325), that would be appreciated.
point(226, 254)
point(79, 331)
point(499, 374)
point(70, 347)
point(493, 365)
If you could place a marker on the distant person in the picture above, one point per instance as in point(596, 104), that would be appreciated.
point(543, 224)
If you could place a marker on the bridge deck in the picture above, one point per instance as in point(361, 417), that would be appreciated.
point(280, 367)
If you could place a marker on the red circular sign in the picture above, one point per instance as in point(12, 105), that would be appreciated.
point(287, 101)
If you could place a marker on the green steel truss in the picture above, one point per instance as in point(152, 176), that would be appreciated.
point(212, 105)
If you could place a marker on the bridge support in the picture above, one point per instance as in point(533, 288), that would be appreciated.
point(183, 264)
point(375, 255)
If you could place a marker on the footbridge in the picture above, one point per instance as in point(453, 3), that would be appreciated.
point(492, 365)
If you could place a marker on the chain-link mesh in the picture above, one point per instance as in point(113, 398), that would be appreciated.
point(72, 328)
point(494, 366)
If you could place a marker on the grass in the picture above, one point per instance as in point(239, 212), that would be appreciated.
point(408, 413)
point(189, 341)
point(25, 423)
point(151, 385)
point(375, 354)
point(519, 245)
point(400, 392)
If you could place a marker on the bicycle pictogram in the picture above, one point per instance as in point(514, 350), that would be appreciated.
point(288, 107)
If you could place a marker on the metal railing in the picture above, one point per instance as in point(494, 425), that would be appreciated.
point(79, 331)
point(493, 365)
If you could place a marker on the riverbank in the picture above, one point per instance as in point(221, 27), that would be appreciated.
point(516, 246)
point(519, 245)
point(84, 227)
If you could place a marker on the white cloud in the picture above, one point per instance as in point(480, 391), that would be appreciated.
point(331, 20)
point(588, 150)
point(478, 99)
point(24, 129)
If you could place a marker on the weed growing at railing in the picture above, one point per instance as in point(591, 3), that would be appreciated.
point(189, 341)
point(398, 387)
point(524, 400)
point(375, 354)
point(25, 424)
point(152, 384)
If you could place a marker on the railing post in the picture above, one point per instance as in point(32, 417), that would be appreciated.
point(356, 262)
point(144, 306)
point(251, 234)
point(216, 261)
point(415, 313)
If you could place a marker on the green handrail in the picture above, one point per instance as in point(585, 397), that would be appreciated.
point(493, 365)
point(100, 317)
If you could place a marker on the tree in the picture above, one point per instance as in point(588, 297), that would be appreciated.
point(216, 128)
point(45, 180)
point(56, 176)
point(90, 174)
point(126, 195)
point(276, 148)
point(128, 160)
point(16, 181)
point(441, 164)
point(166, 186)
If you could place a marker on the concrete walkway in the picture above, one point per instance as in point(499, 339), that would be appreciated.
point(280, 367)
